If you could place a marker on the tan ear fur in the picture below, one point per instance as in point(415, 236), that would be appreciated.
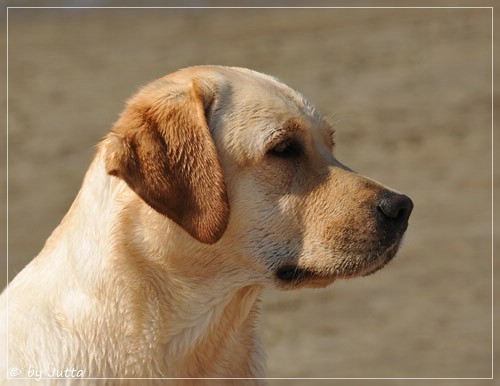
point(162, 148)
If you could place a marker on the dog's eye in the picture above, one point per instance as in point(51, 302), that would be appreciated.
point(287, 149)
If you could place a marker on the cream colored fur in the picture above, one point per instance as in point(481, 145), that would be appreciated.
point(126, 289)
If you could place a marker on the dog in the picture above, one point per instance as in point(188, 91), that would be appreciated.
point(214, 184)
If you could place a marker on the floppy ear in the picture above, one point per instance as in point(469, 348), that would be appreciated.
point(162, 148)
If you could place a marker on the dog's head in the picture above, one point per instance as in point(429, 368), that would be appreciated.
point(244, 164)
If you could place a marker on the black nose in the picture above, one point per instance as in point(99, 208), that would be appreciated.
point(396, 208)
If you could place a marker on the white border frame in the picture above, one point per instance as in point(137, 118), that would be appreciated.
point(271, 7)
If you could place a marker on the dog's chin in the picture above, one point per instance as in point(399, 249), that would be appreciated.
point(381, 261)
point(293, 276)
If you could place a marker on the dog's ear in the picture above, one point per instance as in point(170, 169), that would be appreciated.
point(162, 148)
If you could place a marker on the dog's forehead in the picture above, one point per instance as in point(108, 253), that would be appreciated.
point(253, 108)
point(267, 91)
point(250, 91)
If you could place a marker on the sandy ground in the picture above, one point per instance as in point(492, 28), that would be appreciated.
point(410, 92)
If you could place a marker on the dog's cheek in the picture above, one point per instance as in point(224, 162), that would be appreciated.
point(264, 232)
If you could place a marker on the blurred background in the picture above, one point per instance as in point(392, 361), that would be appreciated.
point(410, 93)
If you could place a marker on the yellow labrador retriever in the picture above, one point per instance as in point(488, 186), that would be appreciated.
point(214, 183)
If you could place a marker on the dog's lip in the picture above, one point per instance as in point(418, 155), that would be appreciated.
point(382, 260)
point(292, 273)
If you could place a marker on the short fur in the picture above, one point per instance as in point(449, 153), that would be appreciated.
point(213, 184)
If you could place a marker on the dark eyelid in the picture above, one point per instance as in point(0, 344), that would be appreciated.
point(281, 135)
point(278, 136)
point(287, 140)
point(288, 147)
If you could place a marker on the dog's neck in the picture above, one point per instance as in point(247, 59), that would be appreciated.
point(172, 299)
point(215, 334)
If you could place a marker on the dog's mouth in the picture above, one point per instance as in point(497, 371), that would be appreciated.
point(293, 275)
